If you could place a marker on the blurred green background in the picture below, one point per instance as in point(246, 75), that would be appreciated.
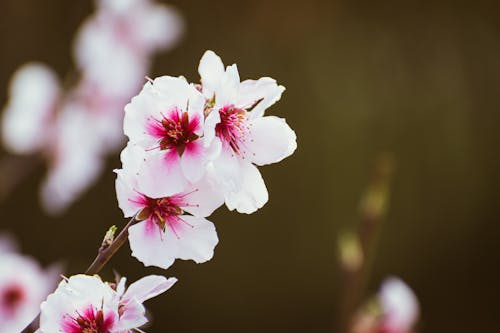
point(420, 79)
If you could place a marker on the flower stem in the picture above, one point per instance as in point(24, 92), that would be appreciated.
point(105, 253)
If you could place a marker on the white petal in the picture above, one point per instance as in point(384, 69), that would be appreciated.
point(271, 93)
point(151, 246)
point(148, 287)
point(271, 140)
point(253, 193)
point(203, 199)
point(197, 242)
point(210, 122)
point(227, 92)
point(129, 200)
point(211, 70)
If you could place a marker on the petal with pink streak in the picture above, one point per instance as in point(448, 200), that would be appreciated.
point(129, 201)
point(148, 287)
point(151, 246)
point(133, 316)
point(161, 174)
point(192, 161)
point(271, 140)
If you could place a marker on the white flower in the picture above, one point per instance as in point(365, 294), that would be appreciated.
point(33, 95)
point(166, 120)
point(236, 125)
point(113, 47)
point(23, 286)
point(85, 303)
point(399, 306)
point(167, 232)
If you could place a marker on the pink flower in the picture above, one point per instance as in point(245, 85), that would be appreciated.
point(23, 286)
point(236, 126)
point(173, 226)
point(166, 120)
point(85, 303)
point(33, 96)
point(399, 306)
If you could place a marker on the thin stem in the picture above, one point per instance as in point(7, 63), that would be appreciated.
point(106, 253)
point(373, 207)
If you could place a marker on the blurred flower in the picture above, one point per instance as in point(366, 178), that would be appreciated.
point(75, 129)
point(113, 47)
point(236, 125)
point(33, 96)
point(23, 286)
point(167, 232)
point(85, 303)
point(400, 306)
point(75, 158)
point(395, 310)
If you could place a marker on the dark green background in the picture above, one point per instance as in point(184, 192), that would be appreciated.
point(418, 78)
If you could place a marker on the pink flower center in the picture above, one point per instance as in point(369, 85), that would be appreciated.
point(12, 297)
point(175, 130)
point(233, 129)
point(165, 212)
point(91, 321)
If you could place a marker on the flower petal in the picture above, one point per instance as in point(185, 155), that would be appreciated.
point(197, 240)
point(193, 161)
point(161, 174)
point(151, 246)
point(211, 70)
point(252, 194)
point(148, 287)
point(271, 140)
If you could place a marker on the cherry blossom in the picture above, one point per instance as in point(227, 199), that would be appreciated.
point(23, 286)
point(235, 125)
point(172, 226)
point(33, 97)
point(166, 120)
point(85, 303)
point(399, 305)
point(113, 47)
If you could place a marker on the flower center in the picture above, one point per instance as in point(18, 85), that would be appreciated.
point(12, 297)
point(175, 130)
point(91, 321)
point(232, 129)
point(161, 210)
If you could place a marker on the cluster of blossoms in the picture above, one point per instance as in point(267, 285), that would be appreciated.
point(193, 147)
point(23, 286)
point(112, 51)
point(394, 310)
